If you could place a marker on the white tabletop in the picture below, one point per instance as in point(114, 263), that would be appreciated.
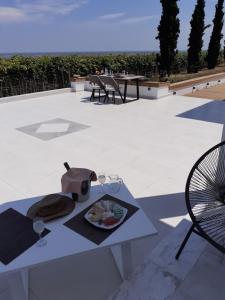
point(62, 241)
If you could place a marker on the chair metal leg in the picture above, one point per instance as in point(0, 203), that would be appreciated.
point(121, 97)
point(185, 241)
point(92, 95)
point(137, 85)
point(106, 97)
point(114, 98)
point(125, 92)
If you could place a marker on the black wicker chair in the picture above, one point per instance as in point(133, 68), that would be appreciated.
point(205, 198)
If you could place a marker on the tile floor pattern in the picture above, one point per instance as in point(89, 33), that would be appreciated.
point(144, 142)
point(162, 277)
point(160, 269)
point(51, 129)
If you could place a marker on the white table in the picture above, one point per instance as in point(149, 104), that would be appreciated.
point(62, 242)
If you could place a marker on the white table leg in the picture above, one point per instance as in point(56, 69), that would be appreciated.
point(25, 278)
point(123, 258)
point(19, 285)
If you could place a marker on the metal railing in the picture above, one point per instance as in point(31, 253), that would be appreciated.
point(8, 88)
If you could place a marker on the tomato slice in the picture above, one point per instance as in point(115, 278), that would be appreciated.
point(110, 221)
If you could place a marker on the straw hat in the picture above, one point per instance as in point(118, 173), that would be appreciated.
point(51, 207)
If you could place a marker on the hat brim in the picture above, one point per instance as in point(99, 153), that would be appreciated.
point(70, 204)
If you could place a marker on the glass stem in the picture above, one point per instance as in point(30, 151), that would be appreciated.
point(40, 236)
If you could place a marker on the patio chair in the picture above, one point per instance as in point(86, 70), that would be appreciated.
point(205, 198)
point(97, 86)
point(111, 86)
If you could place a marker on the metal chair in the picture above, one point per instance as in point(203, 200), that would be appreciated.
point(205, 198)
point(96, 85)
point(111, 86)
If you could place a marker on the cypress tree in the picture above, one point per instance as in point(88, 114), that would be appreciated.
point(168, 33)
point(224, 50)
point(214, 44)
point(196, 36)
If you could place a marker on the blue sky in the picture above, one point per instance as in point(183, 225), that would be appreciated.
point(88, 25)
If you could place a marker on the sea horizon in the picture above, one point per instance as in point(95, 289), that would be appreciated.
point(65, 53)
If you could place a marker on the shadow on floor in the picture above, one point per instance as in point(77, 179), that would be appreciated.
point(162, 207)
point(97, 102)
point(209, 112)
point(117, 101)
point(165, 212)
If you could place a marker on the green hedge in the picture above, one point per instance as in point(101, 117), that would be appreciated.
point(31, 74)
point(19, 75)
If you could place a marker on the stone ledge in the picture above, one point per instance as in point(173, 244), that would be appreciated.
point(194, 81)
point(146, 83)
point(155, 84)
point(78, 79)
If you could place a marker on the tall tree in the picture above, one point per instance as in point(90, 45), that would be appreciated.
point(224, 50)
point(214, 44)
point(196, 36)
point(169, 30)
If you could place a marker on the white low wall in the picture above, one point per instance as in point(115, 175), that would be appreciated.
point(77, 86)
point(34, 95)
point(199, 86)
point(144, 91)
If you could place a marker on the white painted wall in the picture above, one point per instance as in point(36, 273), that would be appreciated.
point(77, 86)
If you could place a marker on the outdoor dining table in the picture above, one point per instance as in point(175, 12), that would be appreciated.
point(136, 227)
point(128, 78)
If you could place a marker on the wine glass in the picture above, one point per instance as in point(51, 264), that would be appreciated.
point(101, 179)
point(39, 227)
point(115, 183)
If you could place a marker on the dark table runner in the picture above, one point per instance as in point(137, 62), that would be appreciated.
point(16, 235)
point(97, 235)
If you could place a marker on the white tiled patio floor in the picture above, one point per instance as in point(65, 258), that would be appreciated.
point(143, 141)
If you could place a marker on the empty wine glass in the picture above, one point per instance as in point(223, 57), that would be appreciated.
point(101, 179)
point(115, 183)
point(39, 227)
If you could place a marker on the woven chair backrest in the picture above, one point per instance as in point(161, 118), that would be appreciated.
point(95, 79)
point(107, 80)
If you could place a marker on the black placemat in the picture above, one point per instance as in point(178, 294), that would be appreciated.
point(16, 235)
point(97, 235)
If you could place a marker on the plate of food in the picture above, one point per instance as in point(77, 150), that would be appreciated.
point(106, 214)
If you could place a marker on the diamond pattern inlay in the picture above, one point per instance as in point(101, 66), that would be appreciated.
point(52, 129)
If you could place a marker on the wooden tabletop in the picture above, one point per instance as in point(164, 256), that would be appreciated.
point(127, 78)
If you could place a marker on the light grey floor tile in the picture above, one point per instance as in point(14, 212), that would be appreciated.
point(151, 144)
point(88, 276)
point(5, 295)
point(204, 281)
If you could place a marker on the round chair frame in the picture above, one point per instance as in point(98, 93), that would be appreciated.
point(205, 198)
